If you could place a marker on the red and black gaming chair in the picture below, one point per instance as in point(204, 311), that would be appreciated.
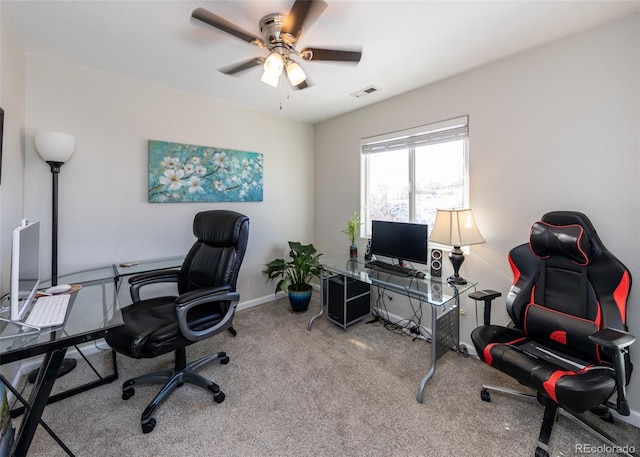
point(569, 339)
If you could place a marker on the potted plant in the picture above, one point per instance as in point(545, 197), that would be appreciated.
point(296, 274)
point(353, 225)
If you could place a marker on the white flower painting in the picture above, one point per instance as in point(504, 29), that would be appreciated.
point(187, 173)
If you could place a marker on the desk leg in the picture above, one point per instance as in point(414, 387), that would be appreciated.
point(434, 341)
point(434, 354)
point(38, 400)
point(322, 299)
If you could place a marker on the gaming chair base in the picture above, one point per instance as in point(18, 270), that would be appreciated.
point(551, 412)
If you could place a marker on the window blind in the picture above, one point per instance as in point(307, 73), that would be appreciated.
point(440, 132)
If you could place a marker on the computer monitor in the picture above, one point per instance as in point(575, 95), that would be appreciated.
point(400, 240)
point(25, 267)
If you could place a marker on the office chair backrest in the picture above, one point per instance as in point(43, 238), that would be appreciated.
point(567, 285)
point(215, 258)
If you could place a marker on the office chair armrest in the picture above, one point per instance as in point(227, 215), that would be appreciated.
point(187, 297)
point(487, 296)
point(205, 296)
point(615, 342)
point(153, 277)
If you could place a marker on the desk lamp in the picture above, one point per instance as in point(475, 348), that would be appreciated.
point(56, 149)
point(456, 227)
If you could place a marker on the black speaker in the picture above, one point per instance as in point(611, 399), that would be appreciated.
point(367, 250)
point(436, 263)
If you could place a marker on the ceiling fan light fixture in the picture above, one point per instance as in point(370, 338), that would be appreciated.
point(274, 64)
point(270, 78)
point(295, 73)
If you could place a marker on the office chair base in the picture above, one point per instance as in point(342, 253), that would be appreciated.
point(551, 413)
point(173, 379)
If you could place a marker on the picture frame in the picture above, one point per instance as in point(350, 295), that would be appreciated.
point(185, 173)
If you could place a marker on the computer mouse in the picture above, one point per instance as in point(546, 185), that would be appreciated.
point(420, 275)
point(59, 289)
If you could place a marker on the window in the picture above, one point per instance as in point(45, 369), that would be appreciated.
point(408, 175)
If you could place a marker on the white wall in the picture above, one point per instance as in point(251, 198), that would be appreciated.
point(104, 216)
point(550, 129)
point(12, 100)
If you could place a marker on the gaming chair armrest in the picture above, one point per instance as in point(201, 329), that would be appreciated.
point(153, 277)
point(616, 342)
point(199, 297)
point(487, 296)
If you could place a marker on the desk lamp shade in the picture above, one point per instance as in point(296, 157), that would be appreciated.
point(55, 146)
point(456, 227)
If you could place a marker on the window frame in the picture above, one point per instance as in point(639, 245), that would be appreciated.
point(409, 140)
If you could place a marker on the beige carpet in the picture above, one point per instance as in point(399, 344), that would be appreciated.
point(328, 392)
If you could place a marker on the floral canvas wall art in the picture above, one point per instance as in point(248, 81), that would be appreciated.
point(187, 173)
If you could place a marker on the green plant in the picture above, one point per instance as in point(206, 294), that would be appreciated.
point(297, 272)
point(353, 225)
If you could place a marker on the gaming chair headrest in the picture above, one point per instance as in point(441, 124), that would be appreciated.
point(569, 241)
point(218, 228)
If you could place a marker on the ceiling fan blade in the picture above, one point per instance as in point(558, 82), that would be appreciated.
point(303, 13)
point(238, 67)
point(221, 23)
point(335, 55)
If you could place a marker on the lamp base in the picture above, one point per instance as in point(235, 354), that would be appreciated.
point(458, 280)
point(67, 366)
point(457, 257)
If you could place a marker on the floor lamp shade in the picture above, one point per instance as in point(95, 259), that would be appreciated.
point(55, 146)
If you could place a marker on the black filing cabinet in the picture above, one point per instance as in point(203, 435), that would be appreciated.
point(348, 300)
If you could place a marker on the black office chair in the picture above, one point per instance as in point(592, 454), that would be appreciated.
point(205, 306)
point(569, 339)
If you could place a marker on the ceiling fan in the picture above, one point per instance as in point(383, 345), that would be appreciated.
point(280, 34)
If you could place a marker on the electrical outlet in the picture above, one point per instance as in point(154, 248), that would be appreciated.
point(463, 312)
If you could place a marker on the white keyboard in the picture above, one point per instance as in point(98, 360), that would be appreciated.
point(49, 311)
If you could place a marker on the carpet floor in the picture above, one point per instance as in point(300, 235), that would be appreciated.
point(325, 392)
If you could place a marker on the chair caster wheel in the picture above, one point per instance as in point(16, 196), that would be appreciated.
point(485, 395)
point(541, 453)
point(219, 397)
point(128, 393)
point(147, 427)
point(464, 350)
point(224, 360)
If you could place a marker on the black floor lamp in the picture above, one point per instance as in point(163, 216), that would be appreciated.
point(56, 149)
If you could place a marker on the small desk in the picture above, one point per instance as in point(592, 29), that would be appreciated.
point(93, 313)
point(443, 297)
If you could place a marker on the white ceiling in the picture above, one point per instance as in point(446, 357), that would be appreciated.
point(405, 44)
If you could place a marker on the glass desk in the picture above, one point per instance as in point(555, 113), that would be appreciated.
point(122, 270)
point(443, 297)
point(93, 312)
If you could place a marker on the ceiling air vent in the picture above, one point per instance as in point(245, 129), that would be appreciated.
point(366, 91)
